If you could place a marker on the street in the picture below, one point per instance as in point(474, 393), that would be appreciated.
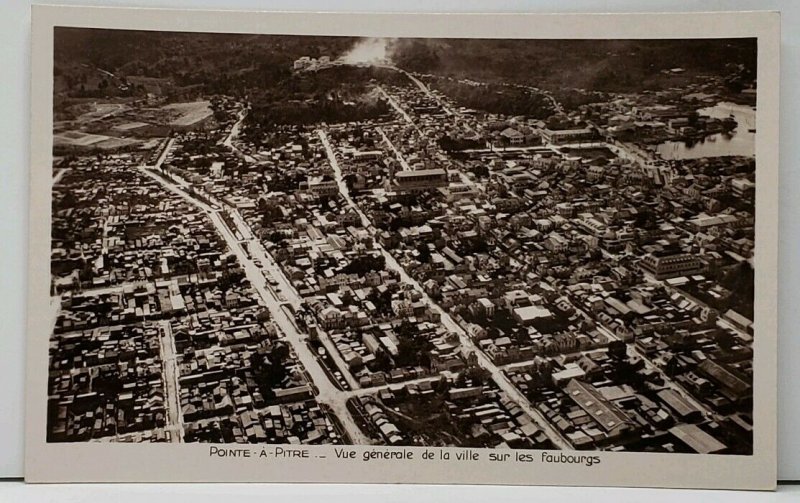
point(171, 376)
point(391, 263)
point(329, 394)
point(396, 106)
point(397, 153)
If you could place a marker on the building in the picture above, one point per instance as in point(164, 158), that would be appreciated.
point(680, 405)
point(705, 222)
point(677, 124)
point(671, 265)
point(484, 306)
point(513, 136)
point(742, 187)
point(696, 439)
point(613, 421)
point(323, 186)
point(731, 386)
point(367, 155)
point(567, 135)
point(529, 314)
point(421, 179)
point(239, 202)
point(301, 63)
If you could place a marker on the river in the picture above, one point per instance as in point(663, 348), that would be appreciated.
point(741, 141)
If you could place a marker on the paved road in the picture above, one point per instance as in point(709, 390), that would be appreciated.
point(421, 85)
point(59, 174)
point(285, 288)
point(171, 386)
point(628, 153)
point(397, 153)
point(632, 350)
point(556, 105)
point(234, 134)
point(464, 178)
point(484, 361)
point(338, 175)
point(328, 393)
point(55, 309)
point(396, 106)
point(163, 155)
point(391, 263)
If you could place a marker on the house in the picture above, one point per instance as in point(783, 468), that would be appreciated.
point(512, 136)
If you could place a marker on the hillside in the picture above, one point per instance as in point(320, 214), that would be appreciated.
point(599, 65)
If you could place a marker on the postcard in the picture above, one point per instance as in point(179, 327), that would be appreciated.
point(403, 248)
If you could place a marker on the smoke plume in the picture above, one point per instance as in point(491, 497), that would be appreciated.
point(368, 51)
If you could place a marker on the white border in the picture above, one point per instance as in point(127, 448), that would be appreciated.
point(104, 462)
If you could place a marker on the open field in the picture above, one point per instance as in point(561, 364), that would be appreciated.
point(81, 139)
point(189, 113)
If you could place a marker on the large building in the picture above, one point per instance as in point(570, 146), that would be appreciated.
point(612, 420)
point(560, 136)
point(323, 186)
point(696, 439)
point(420, 179)
point(665, 266)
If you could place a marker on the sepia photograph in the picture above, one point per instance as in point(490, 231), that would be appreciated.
point(541, 247)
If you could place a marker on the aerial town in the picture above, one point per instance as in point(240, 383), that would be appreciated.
point(397, 256)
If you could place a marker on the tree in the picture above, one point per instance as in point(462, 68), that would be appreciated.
point(267, 371)
point(280, 352)
point(413, 347)
point(617, 349)
point(477, 374)
point(424, 253)
point(383, 362)
point(364, 264)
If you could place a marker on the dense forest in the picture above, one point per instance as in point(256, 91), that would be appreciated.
point(220, 63)
point(234, 63)
point(496, 98)
point(338, 94)
point(599, 65)
point(113, 64)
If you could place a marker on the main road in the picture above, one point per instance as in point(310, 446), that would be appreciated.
point(59, 174)
point(284, 287)
point(422, 87)
point(164, 152)
point(171, 386)
point(327, 392)
point(397, 107)
point(397, 153)
point(464, 178)
point(466, 342)
point(425, 89)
